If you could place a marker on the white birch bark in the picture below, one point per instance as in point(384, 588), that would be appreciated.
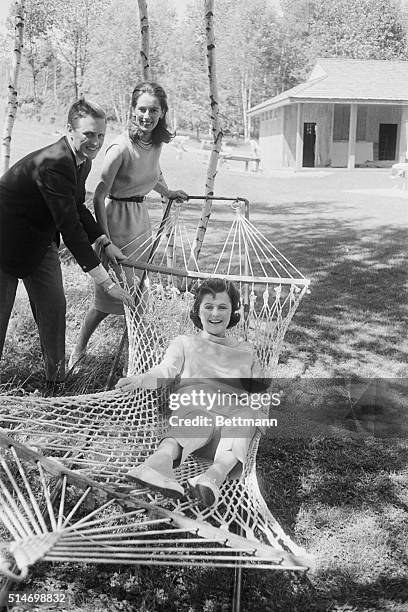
point(146, 72)
point(215, 127)
point(249, 104)
point(144, 45)
point(12, 87)
point(244, 103)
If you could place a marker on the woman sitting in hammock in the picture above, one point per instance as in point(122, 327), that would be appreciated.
point(213, 376)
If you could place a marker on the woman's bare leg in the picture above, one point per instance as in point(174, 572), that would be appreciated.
point(157, 471)
point(224, 461)
point(163, 458)
point(92, 319)
point(206, 487)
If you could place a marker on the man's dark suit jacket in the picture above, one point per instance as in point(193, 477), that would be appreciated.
point(41, 197)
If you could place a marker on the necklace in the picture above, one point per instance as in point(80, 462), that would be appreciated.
point(143, 145)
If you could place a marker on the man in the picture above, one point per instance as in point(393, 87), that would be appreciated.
point(42, 197)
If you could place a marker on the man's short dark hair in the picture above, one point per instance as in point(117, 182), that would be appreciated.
point(84, 108)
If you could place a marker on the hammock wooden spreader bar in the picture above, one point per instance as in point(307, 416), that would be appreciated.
point(121, 529)
point(247, 256)
point(301, 282)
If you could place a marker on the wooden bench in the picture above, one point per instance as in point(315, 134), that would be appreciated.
point(245, 158)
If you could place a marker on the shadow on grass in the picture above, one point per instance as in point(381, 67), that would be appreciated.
point(354, 474)
point(357, 308)
point(289, 593)
point(324, 488)
point(382, 594)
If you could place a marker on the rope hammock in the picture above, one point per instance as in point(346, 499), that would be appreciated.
point(91, 441)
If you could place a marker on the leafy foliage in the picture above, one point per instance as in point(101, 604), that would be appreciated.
point(92, 47)
point(369, 29)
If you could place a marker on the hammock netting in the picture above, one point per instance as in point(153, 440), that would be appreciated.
point(63, 491)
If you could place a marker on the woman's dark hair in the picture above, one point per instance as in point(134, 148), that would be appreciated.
point(160, 133)
point(214, 286)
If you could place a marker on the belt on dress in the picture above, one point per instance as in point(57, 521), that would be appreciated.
point(129, 199)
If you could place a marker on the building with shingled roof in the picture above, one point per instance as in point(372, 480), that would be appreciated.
point(348, 113)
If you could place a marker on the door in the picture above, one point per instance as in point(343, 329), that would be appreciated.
point(309, 145)
point(387, 141)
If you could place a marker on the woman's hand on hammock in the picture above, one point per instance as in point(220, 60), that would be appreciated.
point(114, 254)
point(129, 383)
point(178, 195)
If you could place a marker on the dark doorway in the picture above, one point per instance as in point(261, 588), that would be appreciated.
point(387, 141)
point(309, 145)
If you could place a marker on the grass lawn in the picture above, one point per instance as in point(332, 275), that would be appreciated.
point(344, 497)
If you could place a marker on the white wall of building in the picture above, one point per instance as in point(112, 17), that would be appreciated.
point(271, 139)
point(277, 133)
point(339, 153)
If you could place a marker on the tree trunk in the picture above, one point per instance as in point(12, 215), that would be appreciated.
point(46, 81)
point(144, 45)
point(35, 87)
point(12, 88)
point(215, 128)
point(75, 83)
point(248, 117)
point(34, 73)
point(244, 104)
point(55, 82)
point(75, 69)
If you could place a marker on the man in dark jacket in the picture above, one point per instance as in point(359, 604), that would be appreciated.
point(42, 197)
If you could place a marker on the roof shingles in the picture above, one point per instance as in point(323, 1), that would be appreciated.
point(349, 79)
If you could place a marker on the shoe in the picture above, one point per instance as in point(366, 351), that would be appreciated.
point(143, 474)
point(205, 490)
point(75, 358)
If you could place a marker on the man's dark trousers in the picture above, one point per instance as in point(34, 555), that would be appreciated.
point(46, 294)
point(42, 197)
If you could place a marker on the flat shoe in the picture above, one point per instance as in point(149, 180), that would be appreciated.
point(204, 490)
point(145, 475)
point(75, 358)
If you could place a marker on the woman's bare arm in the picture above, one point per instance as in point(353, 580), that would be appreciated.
point(111, 166)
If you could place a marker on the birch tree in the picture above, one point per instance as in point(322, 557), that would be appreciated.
point(145, 39)
point(215, 128)
point(12, 87)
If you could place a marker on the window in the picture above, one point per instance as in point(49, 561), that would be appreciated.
point(341, 124)
point(362, 123)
